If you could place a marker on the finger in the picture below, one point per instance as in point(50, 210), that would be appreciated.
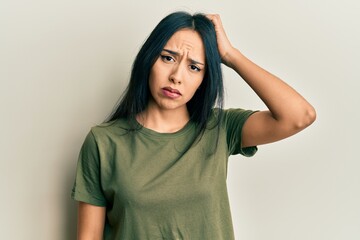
point(215, 19)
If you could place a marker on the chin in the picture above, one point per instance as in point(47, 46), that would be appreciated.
point(171, 106)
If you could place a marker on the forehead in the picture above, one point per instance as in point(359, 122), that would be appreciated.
point(187, 41)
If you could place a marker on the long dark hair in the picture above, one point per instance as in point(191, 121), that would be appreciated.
point(210, 93)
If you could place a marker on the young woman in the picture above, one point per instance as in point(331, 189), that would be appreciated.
point(157, 168)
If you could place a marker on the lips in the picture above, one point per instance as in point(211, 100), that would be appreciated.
point(171, 92)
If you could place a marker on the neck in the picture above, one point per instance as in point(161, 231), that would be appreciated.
point(163, 121)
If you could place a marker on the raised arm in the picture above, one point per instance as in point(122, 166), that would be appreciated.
point(288, 112)
point(91, 220)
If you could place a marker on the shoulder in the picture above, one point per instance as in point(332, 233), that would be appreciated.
point(224, 116)
point(118, 127)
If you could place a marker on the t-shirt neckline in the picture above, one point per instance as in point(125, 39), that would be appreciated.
point(147, 131)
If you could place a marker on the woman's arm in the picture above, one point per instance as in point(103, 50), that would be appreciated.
point(91, 221)
point(288, 111)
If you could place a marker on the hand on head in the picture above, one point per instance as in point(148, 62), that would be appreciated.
point(224, 45)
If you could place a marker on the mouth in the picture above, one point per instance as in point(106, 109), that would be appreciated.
point(171, 92)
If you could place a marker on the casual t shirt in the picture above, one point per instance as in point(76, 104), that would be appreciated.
point(157, 185)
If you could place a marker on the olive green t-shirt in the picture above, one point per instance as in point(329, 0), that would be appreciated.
point(154, 186)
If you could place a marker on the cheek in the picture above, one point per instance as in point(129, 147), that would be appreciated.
point(157, 73)
point(199, 82)
point(152, 84)
point(153, 76)
point(195, 87)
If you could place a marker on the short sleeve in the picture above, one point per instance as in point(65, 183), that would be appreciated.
point(234, 120)
point(87, 186)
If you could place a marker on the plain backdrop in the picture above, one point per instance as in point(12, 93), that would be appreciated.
point(64, 64)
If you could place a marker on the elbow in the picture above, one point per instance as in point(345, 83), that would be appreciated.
point(310, 116)
point(307, 118)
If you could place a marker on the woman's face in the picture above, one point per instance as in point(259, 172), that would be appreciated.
point(178, 72)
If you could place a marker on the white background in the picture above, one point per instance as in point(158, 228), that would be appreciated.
point(64, 64)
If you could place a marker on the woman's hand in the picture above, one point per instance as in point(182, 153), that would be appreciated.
point(224, 46)
point(288, 112)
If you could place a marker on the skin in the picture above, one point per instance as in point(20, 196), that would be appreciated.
point(91, 222)
point(288, 112)
point(180, 66)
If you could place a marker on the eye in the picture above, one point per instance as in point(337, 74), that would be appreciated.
point(195, 68)
point(167, 58)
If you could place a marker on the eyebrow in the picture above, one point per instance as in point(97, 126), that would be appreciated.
point(178, 54)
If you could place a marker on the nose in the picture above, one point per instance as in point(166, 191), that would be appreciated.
point(176, 75)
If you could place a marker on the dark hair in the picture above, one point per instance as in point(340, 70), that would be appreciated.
point(210, 93)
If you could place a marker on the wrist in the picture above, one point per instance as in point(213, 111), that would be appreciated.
point(229, 56)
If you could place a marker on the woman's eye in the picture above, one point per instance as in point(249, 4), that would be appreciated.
point(167, 58)
point(195, 68)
